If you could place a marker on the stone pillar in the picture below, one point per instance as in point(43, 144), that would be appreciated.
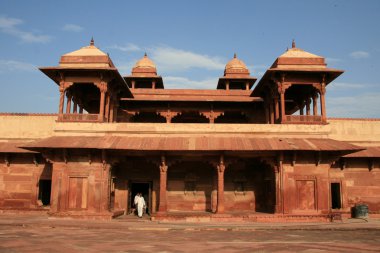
point(220, 169)
point(267, 114)
point(308, 101)
point(103, 89)
point(75, 107)
point(107, 110)
point(162, 206)
point(276, 108)
point(278, 208)
point(301, 110)
point(153, 84)
point(323, 103)
point(247, 85)
point(282, 99)
point(106, 190)
point(133, 84)
point(227, 85)
point(271, 112)
point(68, 105)
point(112, 105)
point(61, 98)
point(315, 105)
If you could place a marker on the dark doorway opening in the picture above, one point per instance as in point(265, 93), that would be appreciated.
point(44, 191)
point(145, 188)
point(336, 202)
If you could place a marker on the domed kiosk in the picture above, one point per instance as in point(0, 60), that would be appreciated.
point(144, 75)
point(236, 76)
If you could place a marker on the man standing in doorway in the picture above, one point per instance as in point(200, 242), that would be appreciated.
point(140, 205)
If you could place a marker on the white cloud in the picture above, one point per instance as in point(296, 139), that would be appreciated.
point(72, 28)
point(6, 23)
point(11, 65)
point(332, 60)
point(359, 106)
point(167, 58)
point(9, 26)
point(125, 68)
point(341, 85)
point(129, 47)
point(359, 55)
point(176, 82)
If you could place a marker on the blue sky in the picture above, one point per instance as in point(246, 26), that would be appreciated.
point(190, 42)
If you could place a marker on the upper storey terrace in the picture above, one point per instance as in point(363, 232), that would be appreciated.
point(91, 89)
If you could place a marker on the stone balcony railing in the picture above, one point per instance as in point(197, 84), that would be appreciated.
point(304, 119)
point(78, 117)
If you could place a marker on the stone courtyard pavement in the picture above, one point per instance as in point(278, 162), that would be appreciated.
point(38, 233)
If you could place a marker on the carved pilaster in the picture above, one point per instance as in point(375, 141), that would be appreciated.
point(162, 206)
point(220, 170)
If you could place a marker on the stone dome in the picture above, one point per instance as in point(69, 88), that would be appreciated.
point(236, 66)
point(144, 67)
point(145, 62)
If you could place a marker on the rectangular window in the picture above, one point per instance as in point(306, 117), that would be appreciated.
point(336, 202)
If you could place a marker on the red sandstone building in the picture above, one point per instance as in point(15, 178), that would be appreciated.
point(267, 153)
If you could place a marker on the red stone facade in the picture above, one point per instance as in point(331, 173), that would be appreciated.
point(267, 154)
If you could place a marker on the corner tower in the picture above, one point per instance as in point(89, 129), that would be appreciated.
point(292, 84)
point(91, 84)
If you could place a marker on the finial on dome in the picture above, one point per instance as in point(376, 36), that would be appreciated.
point(234, 55)
point(92, 41)
point(293, 44)
point(145, 55)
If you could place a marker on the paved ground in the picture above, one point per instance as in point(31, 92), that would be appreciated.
point(26, 233)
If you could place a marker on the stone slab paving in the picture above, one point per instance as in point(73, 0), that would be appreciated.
point(27, 233)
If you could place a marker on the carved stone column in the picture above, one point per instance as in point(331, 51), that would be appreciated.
point(276, 109)
point(227, 85)
point(282, 99)
point(323, 103)
point(220, 170)
point(107, 110)
point(111, 113)
point(278, 180)
point(308, 101)
point(103, 89)
point(68, 105)
point(315, 104)
point(271, 112)
point(162, 206)
point(61, 97)
point(153, 85)
point(75, 110)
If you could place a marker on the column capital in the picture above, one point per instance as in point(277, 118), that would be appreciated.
point(163, 166)
point(102, 86)
point(221, 167)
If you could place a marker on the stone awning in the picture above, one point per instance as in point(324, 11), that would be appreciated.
point(13, 147)
point(192, 143)
point(368, 152)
